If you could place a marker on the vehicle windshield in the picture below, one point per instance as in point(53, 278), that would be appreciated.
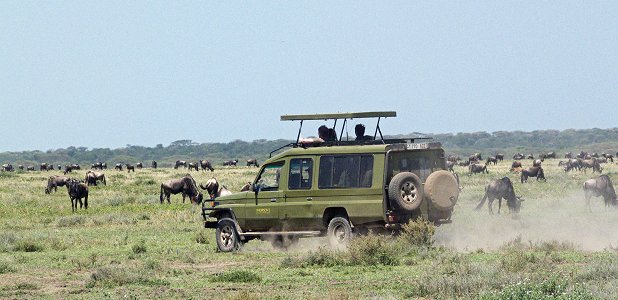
point(268, 180)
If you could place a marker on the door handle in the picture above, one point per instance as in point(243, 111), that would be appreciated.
point(273, 200)
point(309, 199)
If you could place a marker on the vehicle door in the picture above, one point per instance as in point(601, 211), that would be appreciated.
point(297, 213)
point(263, 213)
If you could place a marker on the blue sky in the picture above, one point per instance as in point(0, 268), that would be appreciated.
point(103, 74)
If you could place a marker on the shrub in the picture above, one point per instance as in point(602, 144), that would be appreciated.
point(140, 247)
point(27, 245)
point(373, 250)
point(551, 288)
point(201, 237)
point(7, 241)
point(516, 261)
point(70, 221)
point(6, 268)
point(118, 276)
point(418, 233)
point(323, 257)
point(237, 276)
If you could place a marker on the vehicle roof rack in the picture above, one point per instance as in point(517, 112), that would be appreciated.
point(345, 117)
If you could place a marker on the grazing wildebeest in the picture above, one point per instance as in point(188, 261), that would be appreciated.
point(130, 168)
point(185, 185)
point(7, 167)
point(474, 158)
point(44, 167)
point(572, 164)
point(568, 155)
point(154, 164)
point(515, 166)
point(180, 163)
point(582, 154)
point(452, 158)
point(139, 165)
point(30, 168)
point(464, 163)
point(214, 189)
point(77, 190)
point(518, 156)
point(491, 159)
point(600, 186)
point(253, 162)
point(591, 164)
point(68, 169)
point(602, 160)
point(92, 177)
point(53, 182)
point(230, 162)
point(537, 163)
point(595, 155)
point(532, 172)
point(192, 166)
point(477, 168)
point(118, 167)
point(20, 167)
point(499, 156)
point(530, 156)
point(501, 189)
point(542, 157)
point(609, 157)
point(449, 165)
point(98, 165)
point(551, 154)
point(206, 165)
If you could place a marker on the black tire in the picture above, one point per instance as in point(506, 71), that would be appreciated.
point(284, 242)
point(226, 235)
point(339, 232)
point(405, 191)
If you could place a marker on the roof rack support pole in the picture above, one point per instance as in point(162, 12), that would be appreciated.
point(378, 130)
point(299, 129)
point(345, 121)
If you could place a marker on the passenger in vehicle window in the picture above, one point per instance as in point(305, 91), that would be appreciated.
point(324, 134)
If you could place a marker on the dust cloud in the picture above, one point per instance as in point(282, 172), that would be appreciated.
point(564, 219)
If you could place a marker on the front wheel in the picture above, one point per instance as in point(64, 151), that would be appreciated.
point(339, 232)
point(226, 235)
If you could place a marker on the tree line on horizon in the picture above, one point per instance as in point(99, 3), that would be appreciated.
point(508, 142)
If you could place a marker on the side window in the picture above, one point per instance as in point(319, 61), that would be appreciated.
point(301, 170)
point(269, 178)
point(345, 171)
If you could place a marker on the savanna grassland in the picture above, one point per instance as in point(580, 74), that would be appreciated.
point(128, 245)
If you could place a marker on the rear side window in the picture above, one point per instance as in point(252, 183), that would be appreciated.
point(301, 170)
point(345, 171)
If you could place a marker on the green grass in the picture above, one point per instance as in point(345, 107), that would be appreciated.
point(128, 245)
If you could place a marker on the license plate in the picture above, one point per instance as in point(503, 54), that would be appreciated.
point(417, 146)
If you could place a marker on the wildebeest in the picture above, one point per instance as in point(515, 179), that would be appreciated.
point(499, 156)
point(45, 167)
point(30, 168)
point(464, 163)
point(214, 189)
point(253, 162)
point(501, 189)
point(206, 165)
point(20, 167)
point(68, 169)
point(590, 164)
point(571, 164)
point(53, 182)
point(230, 162)
point(98, 165)
point(118, 167)
point(600, 186)
point(180, 163)
point(130, 168)
point(474, 157)
point(582, 154)
point(518, 156)
point(192, 166)
point(515, 166)
point(92, 177)
point(609, 157)
point(551, 154)
point(536, 163)
point(449, 165)
point(185, 185)
point(452, 158)
point(568, 155)
point(77, 190)
point(491, 159)
point(477, 168)
point(139, 165)
point(7, 167)
point(154, 164)
point(530, 156)
point(532, 172)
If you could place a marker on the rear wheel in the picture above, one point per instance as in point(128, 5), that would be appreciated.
point(226, 235)
point(339, 232)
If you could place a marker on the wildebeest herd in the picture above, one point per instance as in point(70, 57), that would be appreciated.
point(502, 188)
point(77, 189)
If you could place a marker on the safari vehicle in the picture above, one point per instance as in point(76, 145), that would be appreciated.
point(336, 188)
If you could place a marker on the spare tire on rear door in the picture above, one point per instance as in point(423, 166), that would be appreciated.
point(442, 189)
point(405, 191)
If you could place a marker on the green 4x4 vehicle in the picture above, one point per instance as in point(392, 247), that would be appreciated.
point(336, 188)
